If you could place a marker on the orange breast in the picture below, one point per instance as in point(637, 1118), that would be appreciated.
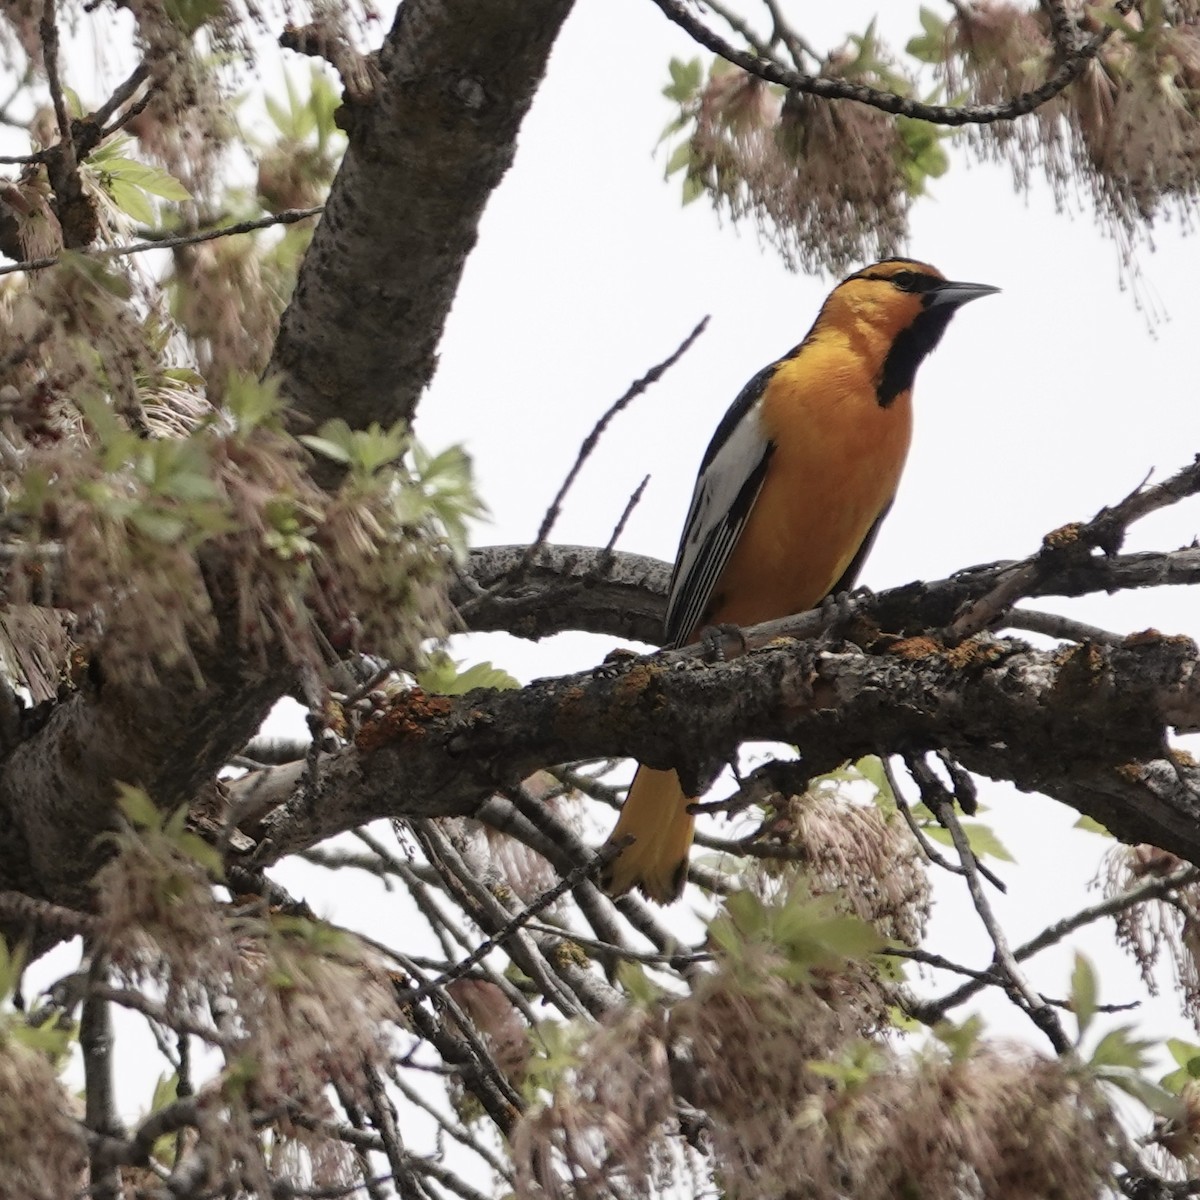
point(837, 462)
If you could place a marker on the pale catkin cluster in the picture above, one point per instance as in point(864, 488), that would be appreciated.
point(824, 181)
point(297, 1008)
point(1146, 930)
point(794, 1102)
point(1127, 128)
point(858, 853)
point(229, 307)
point(40, 1148)
point(608, 1119)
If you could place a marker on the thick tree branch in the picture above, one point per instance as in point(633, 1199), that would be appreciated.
point(624, 595)
point(357, 341)
point(1086, 726)
point(455, 79)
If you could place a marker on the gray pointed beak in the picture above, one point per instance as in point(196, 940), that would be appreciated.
point(953, 294)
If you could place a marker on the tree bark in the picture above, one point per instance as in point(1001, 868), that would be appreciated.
point(455, 79)
point(358, 341)
point(1085, 724)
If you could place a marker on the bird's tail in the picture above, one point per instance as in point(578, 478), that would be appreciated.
point(656, 817)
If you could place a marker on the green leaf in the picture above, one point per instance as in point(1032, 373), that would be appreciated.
point(1186, 1054)
point(985, 843)
point(961, 1039)
point(1119, 1048)
point(1157, 1099)
point(138, 808)
point(1083, 992)
point(685, 79)
point(326, 448)
point(1091, 825)
point(641, 990)
point(131, 200)
point(443, 677)
point(158, 526)
point(693, 188)
point(681, 156)
point(870, 767)
point(930, 45)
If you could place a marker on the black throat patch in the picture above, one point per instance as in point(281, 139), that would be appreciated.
point(908, 352)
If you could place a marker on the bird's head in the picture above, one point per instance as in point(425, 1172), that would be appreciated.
point(904, 306)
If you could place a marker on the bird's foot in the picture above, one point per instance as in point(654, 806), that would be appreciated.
point(720, 643)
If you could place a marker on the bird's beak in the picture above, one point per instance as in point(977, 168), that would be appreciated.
point(953, 294)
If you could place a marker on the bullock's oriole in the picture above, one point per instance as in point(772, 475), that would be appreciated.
point(791, 493)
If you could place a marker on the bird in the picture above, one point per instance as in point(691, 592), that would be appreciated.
point(790, 495)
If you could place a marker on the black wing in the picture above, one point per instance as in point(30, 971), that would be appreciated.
point(850, 574)
point(731, 476)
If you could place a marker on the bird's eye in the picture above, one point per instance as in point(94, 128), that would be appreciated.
point(906, 281)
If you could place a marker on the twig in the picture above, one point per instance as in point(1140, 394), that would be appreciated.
point(990, 977)
point(592, 440)
point(1153, 888)
point(511, 927)
point(1062, 28)
point(383, 1116)
point(928, 849)
point(797, 46)
point(1105, 531)
point(618, 529)
point(100, 1110)
point(741, 27)
point(833, 88)
point(54, 918)
point(559, 845)
point(1057, 626)
point(177, 1021)
point(607, 949)
point(1015, 983)
point(287, 217)
point(932, 793)
point(459, 1132)
point(48, 32)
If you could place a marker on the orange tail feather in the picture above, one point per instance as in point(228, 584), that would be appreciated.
point(656, 817)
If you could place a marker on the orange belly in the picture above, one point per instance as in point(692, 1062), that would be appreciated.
point(835, 469)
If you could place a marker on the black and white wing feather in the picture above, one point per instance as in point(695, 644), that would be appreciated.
point(730, 479)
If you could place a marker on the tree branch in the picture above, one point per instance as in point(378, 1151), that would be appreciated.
point(359, 338)
point(829, 88)
point(1086, 726)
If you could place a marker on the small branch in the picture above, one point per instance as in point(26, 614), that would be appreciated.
point(634, 500)
point(100, 1110)
point(593, 439)
point(832, 88)
point(136, 1002)
point(1057, 626)
point(1105, 531)
point(286, 217)
point(48, 31)
point(1017, 986)
point(569, 881)
point(1152, 888)
point(53, 918)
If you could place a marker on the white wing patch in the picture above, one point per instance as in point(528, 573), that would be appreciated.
point(720, 506)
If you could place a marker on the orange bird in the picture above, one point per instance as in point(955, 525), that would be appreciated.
point(791, 493)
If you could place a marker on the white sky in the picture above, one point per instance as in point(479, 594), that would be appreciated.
point(1041, 405)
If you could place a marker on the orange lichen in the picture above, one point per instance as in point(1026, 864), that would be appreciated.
point(405, 717)
point(915, 647)
point(1065, 535)
point(975, 652)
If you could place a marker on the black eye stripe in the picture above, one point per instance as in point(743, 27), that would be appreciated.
point(907, 281)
